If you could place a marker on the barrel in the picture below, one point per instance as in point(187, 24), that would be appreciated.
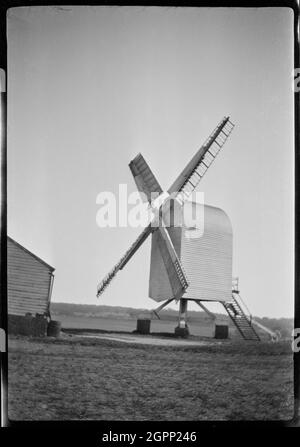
point(143, 326)
point(39, 325)
point(53, 329)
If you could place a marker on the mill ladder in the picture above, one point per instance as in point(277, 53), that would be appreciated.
point(241, 321)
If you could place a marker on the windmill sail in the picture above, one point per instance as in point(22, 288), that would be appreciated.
point(123, 261)
point(176, 274)
point(189, 178)
point(147, 183)
point(177, 277)
point(144, 177)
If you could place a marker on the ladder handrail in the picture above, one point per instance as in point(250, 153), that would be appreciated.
point(245, 305)
point(273, 334)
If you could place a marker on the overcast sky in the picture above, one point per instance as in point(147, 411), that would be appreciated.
point(90, 87)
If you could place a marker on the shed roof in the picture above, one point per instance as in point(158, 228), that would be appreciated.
point(31, 254)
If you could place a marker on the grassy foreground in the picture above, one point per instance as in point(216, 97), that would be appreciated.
point(93, 379)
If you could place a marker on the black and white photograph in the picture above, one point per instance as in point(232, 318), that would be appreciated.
point(150, 214)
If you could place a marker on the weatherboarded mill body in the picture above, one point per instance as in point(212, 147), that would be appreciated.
point(204, 249)
point(29, 287)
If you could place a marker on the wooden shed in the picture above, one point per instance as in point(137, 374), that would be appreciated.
point(29, 287)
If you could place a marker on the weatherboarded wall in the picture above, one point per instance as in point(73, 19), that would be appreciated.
point(204, 245)
point(207, 259)
point(29, 281)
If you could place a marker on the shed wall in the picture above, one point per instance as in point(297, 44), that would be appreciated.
point(29, 281)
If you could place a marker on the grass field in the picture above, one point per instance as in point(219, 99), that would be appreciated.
point(204, 328)
point(93, 379)
point(129, 325)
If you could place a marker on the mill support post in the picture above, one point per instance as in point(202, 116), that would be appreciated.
point(182, 329)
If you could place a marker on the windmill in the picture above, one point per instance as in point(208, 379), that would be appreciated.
point(189, 260)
